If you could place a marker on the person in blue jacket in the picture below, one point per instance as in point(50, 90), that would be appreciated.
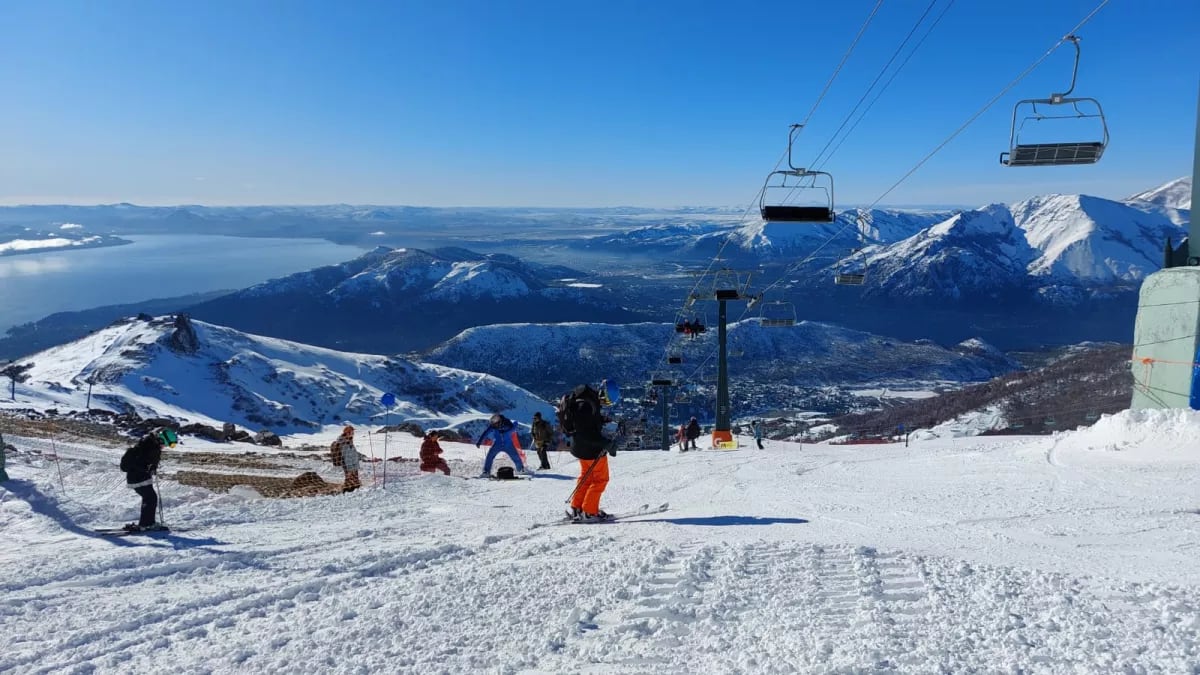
point(757, 426)
point(503, 433)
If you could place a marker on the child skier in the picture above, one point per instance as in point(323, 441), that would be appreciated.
point(504, 439)
point(757, 426)
point(346, 456)
point(140, 463)
point(431, 455)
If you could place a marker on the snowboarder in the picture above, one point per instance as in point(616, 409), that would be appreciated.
point(543, 437)
point(693, 432)
point(431, 455)
point(581, 414)
point(346, 456)
point(757, 427)
point(140, 463)
point(503, 433)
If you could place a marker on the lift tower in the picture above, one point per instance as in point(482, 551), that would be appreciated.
point(728, 286)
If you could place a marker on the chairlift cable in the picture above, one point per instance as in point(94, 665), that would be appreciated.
point(887, 84)
point(874, 82)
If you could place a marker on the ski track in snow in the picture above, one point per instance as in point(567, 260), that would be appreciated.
point(1072, 553)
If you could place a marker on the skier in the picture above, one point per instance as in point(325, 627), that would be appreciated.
point(581, 414)
point(757, 426)
point(140, 463)
point(543, 437)
point(681, 437)
point(504, 439)
point(693, 432)
point(346, 456)
point(431, 455)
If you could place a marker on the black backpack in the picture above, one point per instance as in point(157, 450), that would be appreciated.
point(505, 473)
point(580, 410)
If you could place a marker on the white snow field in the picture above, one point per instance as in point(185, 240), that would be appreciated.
point(1074, 553)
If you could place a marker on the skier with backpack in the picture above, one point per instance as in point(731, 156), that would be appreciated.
point(693, 432)
point(344, 454)
point(503, 433)
point(543, 437)
point(140, 464)
point(581, 416)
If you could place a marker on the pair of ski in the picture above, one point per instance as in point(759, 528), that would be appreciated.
point(643, 510)
point(122, 532)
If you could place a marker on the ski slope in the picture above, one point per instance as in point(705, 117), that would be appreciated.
point(1069, 553)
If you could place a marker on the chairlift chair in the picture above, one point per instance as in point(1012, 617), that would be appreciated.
point(1059, 153)
point(778, 201)
point(777, 314)
point(852, 273)
point(690, 322)
point(728, 285)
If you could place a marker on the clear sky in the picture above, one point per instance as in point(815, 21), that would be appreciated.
point(564, 103)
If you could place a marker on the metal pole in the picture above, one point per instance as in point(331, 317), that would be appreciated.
point(387, 421)
point(723, 416)
point(88, 405)
point(1192, 253)
point(666, 437)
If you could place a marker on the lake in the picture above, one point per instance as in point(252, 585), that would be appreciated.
point(35, 285)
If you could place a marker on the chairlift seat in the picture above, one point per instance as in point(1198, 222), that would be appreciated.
point(660, 382)
point(777, 323)
point(784, 213)
point(674, 359)
point(1053, 154)
point(849, 278)
point(727, 294)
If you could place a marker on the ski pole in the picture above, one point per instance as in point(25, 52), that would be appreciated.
point(162, 509)
point(371, 444)
point(58, 464)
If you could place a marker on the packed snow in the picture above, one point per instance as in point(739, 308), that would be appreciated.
point(1067, 553)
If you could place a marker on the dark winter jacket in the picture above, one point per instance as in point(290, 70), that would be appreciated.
point(141, 461)
point(543, 433)
point(431, 452)
point(693, 430)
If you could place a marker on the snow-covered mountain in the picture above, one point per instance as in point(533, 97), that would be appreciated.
point(1063, 249)
point(199, 372)
point(1176, 194)
point(393, 300)
point(549, 358)
point(852, 229)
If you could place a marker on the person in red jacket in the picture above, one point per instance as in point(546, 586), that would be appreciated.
point(431, 455)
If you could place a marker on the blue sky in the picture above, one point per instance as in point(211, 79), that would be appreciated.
point(523, 102)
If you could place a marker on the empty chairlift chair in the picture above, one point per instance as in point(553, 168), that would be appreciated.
point(787, 195)
point(853, 273)
point(1057, 107)
point(777, 315)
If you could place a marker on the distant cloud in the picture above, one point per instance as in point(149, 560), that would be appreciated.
point(70, 226)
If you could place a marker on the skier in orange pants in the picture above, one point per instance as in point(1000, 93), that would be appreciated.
point(593, 478)
point(581, 414)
